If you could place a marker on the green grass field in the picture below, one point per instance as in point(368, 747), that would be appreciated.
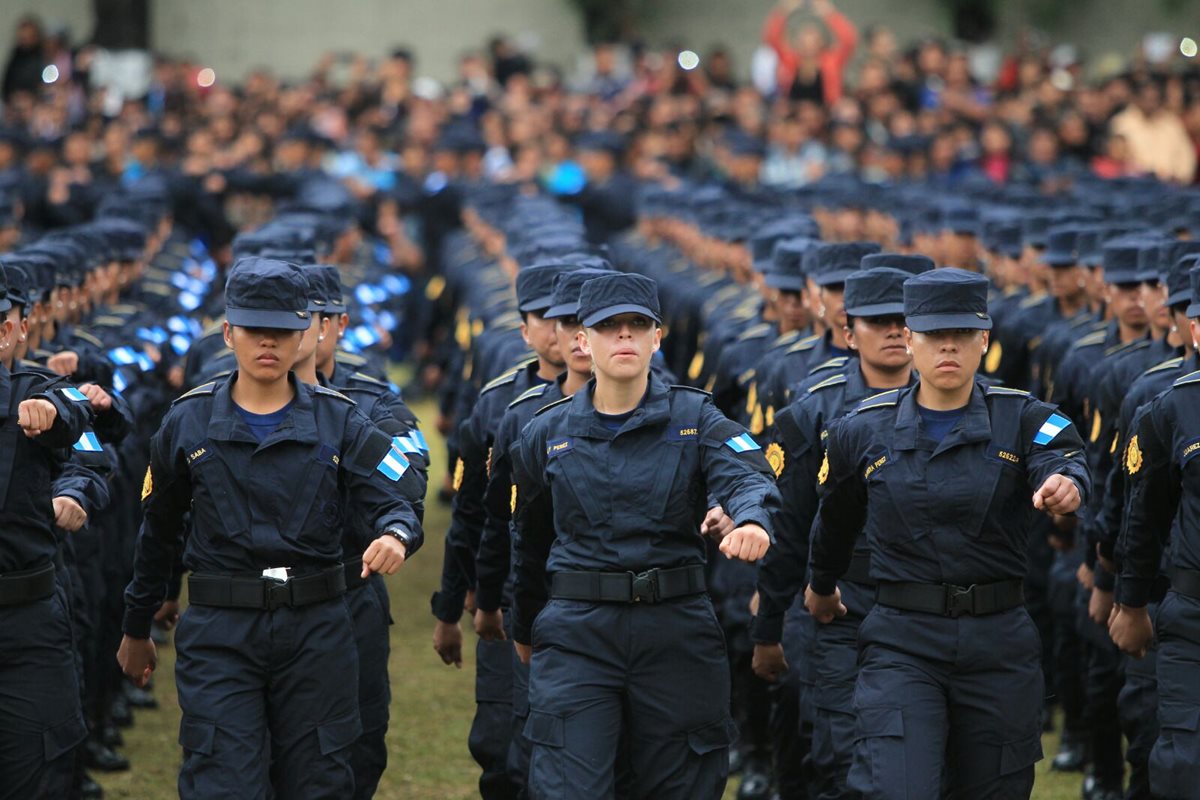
point(432, 704)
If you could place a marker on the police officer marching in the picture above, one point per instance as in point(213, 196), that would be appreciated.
point(610, 494)
point(943, 478)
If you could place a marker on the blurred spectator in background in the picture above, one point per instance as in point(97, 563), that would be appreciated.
point(23, 73)
point(1158, 141)
point(811, 69)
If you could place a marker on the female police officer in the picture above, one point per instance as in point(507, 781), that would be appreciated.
point(944, 476)
point(610, 489)
point(267, 644)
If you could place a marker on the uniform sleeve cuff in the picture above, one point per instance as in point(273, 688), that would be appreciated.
point(136, 624)
point(487, 598)
point(1133, 592)
point(1103, 579)
point(823, 583)
point(447, 608)
point(767, 629)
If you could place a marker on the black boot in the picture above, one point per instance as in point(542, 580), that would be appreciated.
point(98, 757)
point(89, 789)
point(1072, 754)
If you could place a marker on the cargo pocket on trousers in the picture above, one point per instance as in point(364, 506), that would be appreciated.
point(63, 737)
point(878, 765)
point(547, 772)
point(1019, 754)
point(1175, 758)
point(712, 737)
point(708, 759)
point(197, 735)
point(339, 733)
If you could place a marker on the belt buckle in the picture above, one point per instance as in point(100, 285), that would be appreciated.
point(278, 574)
point(959, 600)
point(644, 587)
point(276, 588)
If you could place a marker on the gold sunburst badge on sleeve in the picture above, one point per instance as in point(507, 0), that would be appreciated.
point(774, 456)
point(1133, 457)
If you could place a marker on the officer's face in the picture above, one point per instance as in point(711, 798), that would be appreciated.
point(567, 330)
point(793, 314)
point(312, 337)
point(880, 342)
point(947, 359)
point(328, 347)
point(264, 354)
point(833, 312)
point(621, 347)
point(1067, 281)
point(540, 336)
point(1154, 297)
point(1128, 308)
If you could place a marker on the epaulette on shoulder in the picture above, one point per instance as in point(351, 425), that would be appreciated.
point(1091, 339)
point(807, 343)
point(1170, 363)
point(1005, 391)
point(502, 380)
point(532, 392)
point(365, 378)
point(833, 363)
point(160, 289)
point(690, 389)
point(325, 390)
point(108, 321)
point(549, 406)
point(123, 308)
point(1031, 301)
point(199, 391)
point(353, 359)
point(833, 380)
point(881, 400)
point(1190, 378)
point(754, 332)
point(786, 339)
point(1127, 347)
point(215, 328)
point(89, 338)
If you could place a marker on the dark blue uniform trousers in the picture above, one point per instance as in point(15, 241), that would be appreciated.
point(520, 747)
point(1175, 759)
point(651, 678)
point(791, 720)
point(40, 718)
point(1137, 704)
point(946, 707)
point(269, 701)
point(491, 730)
point(369, 610)
point(835, 664)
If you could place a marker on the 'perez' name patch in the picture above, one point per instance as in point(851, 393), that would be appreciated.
point(559, 446)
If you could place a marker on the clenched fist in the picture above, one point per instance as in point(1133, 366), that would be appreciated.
point(36, 416)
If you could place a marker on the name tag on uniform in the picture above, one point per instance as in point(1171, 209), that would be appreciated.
point(1190, 451)
point(557, 447)
point(197, 454)
point(1006, 457)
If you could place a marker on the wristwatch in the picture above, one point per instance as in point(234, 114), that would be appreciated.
point(404, 536)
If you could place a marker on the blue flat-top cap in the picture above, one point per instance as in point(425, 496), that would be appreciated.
point(1179, 282)
point(1062, 247)
point(535, 285)
point(20, 285)
point(912, 264)
point(946, 299)
point(324, 289)
point(265, 293)
point(1193, 309)
point(621, 293)
point(1170, 253)
point(834, 262)
point(786, 269)
point(876, 292)
point(567, 285)
point(5, 302)
point(1121, 262)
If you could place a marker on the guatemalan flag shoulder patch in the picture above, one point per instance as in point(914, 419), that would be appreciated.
point(1051, 428)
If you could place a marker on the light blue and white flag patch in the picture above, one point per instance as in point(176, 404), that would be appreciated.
point(414, 442)
point(88, 443)
point(71, 393)
point(743, 443)
point(1052, 427)
point(394, 465)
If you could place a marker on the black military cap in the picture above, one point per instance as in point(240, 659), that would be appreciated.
point(946, 299)
point(67, 259)
point(535, 285)
point(912, 264)
point(620, 293)
point(1179, 282)
point(265, 293)
point(786, 270)
point(1170, 251)
point(961, 219)
point(834, 262)
point(876, 292)
point(1193, 309)
point(567, 285)
point(1121, 262)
